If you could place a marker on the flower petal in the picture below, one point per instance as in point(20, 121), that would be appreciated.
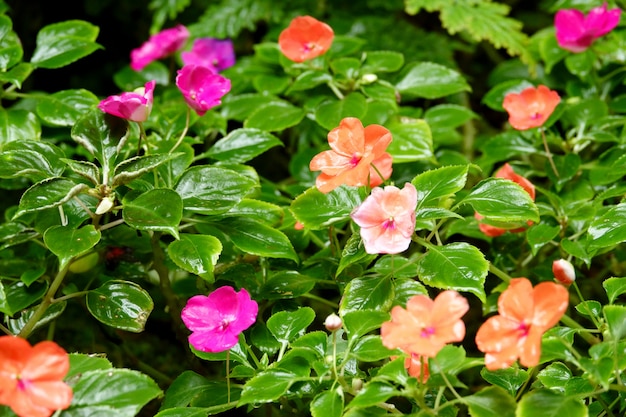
point(550, 301)
point(47, 361)
point(516, 302)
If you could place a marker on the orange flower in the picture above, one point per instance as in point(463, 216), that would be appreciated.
point(417, 367)
point(357, 156)
point(305, 38)
point(31, 377)
point(507, 173)
point(530, 108)
point(525, 315)
point(426, 325)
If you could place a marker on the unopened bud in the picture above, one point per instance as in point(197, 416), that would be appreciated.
point(106, 204)
point(357, 384)
point(333, 323)
point(369, 78)
point(563, 271)
point(298, 226)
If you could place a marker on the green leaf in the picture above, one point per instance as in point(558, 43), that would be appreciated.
point(371, 349)
point(17, 296)
point(371, 293)
point(502, 201)
point(372, 393)
point(360, 322)
point(253, 237)
point(430, 80)
point(126, 79)
point(316, 210)
point(68, 243)
point(286, 284)
point(382, 61)
point(549, 404)
point(288, 325)
point(541, 234)
point(615, 316)
point(11, 51)
point(608, 229)
point(31, 159)
point(327, 404)
point(118, 392)
point(18, 74)
point(264, 212)
point(81, 363)
point(266, 387)
point(308, 80)
point(103, 136)
point(47, 194)
point(241, 145)
point(185, 388)
point(64, 108)
point(155, 210)
point(274, 116)
point(18, 124)
point(270, 84)
point(614, 287)
point(412, 140)
point(495, 97)
point(555, 376)
point(434, 185)
point(6, 24)
point(197, 254)
point(330, 113)
point(458, 266)
point(223, 191)
point(491, 402)
point(448, 116)
point(136, 166)
point(240, 107)
point(60, 44)
point(581, 64)
point(120, 304)
point(511, 379)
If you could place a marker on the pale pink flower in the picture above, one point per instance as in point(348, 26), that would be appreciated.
point(135, 106)
point(211, 53)
point(158, 46)
point(217, 320)
point(201, 87)
point(387, 219)
point(576, 31)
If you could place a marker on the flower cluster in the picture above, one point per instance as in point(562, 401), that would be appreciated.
point(31, 377)
point(506, 172)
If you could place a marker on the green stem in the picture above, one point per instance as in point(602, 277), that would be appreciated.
point(335, 90)
point(321, 300)
point(5, 330)
point(182, 135)
point(142, 137)
point(45, 303)
point(548, 153)
point(570, 322)
point(499, 273)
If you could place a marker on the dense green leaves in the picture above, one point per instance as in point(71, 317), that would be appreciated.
point(67, 243)
point(120, 304)
point(241, 145)
point(430, 80)
point(156, 210)
point(197, 254)
point(60, 44)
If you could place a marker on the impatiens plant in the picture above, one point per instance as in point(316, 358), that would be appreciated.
point(329, 223)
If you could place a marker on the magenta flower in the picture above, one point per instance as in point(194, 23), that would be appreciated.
point(135, 106)
point(576, 32)
point(217, 319)
point(158, 46)
point(387, 219)
point(201, 87)
point(211, 53)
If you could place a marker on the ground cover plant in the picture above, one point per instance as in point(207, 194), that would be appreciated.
point(299, 208)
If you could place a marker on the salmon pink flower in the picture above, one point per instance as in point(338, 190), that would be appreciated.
point(31, 377)
point(211, 53)
point(530, 108)
point(357, 156)
point(526, 313)
point(564, 271)
point(387, 219)
point(201, 87)
point(576, 32)
point(158, 46)
point(417, 367)
point(305, 38)
point(217, 319)
point(135, 106)
point(507, 173)
point(426, 325)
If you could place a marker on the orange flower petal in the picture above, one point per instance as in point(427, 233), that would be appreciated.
point(53, 395)
point(530, 108)
point(377, 139)
point(348, 138)
point(497, 334)
point(551, 301)
point(22, 405)
point(516, 302)
point(305, 38)
point(531, 349)
point(507, 172)
point(448, 308)
point(47, 361)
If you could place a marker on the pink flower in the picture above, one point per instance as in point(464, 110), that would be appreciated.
point(158, 46)
point(564, 272)
point(576, 32)
point(211, 53)
point(135, 106)
point(387, 219)
point(217, 319)
point(201, 87)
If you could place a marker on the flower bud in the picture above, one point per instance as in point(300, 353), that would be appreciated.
point(563, 271)
point(333, 323)
point(357, 384)
point(106, 204)
point(368, 78)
